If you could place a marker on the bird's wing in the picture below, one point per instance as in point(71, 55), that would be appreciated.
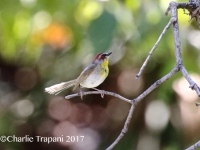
point(84, 74)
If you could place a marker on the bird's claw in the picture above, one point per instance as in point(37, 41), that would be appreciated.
point(102, 93)
point(81, 94)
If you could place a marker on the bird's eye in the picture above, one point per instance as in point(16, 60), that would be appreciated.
point(102, 56)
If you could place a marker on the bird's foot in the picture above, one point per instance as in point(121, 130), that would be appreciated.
point(102, 92)
point(81, 94)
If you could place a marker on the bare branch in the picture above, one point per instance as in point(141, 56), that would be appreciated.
point(154, 47)
point(133, 102)
point(179, 67)
point(136, 100)
point(187, 5)
point(193, 85)
point(192, 4)
point(173, 8)
point(177, 44)
point(97, 92)
point(194, 9)
point(194, 147)
point(156, 84)
point(125, 129)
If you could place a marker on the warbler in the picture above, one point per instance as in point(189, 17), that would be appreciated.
point(92, 76)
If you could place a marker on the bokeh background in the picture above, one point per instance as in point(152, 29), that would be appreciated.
point(45, 42)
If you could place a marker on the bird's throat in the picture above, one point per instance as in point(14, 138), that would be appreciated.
point(105, 63)
point(104, 69)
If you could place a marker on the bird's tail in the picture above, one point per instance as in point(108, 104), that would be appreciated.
point(56, 89)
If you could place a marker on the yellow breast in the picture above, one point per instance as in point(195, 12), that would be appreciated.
point(104, 68)
point(97, 77)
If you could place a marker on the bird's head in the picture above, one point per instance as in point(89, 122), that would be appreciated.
point(102, 58)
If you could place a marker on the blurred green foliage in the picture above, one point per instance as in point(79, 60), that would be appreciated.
point(101, 31)
point(45, 42)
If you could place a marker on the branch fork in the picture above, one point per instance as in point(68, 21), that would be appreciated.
point(193, 7)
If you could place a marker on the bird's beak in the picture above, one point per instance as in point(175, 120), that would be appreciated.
point(108, 54)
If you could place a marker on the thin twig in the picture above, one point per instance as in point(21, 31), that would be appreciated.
point(154, 47)
point(193, 85)
point(136, 100)
point(177, 44)
point(156, 84)
point(179, 67)
point(97, 92)
point(179, 63)
point(194, 147)
point(124, 130)
point(173, 8)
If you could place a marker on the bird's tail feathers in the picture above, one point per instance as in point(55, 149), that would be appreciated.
point(56, 89)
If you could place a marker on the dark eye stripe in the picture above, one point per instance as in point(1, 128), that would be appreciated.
point(102, 56)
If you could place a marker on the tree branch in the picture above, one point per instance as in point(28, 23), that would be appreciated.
point(194, 9)
point(154, 47)
point(177, 44)
point(136, 100)
point(188, 5)
point(97, 92)
point(178, 67)
point(125, 128)
point(156, 84)
point(193, 85)
point(194, 147)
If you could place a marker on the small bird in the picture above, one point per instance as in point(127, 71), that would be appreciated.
point(92, 76)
